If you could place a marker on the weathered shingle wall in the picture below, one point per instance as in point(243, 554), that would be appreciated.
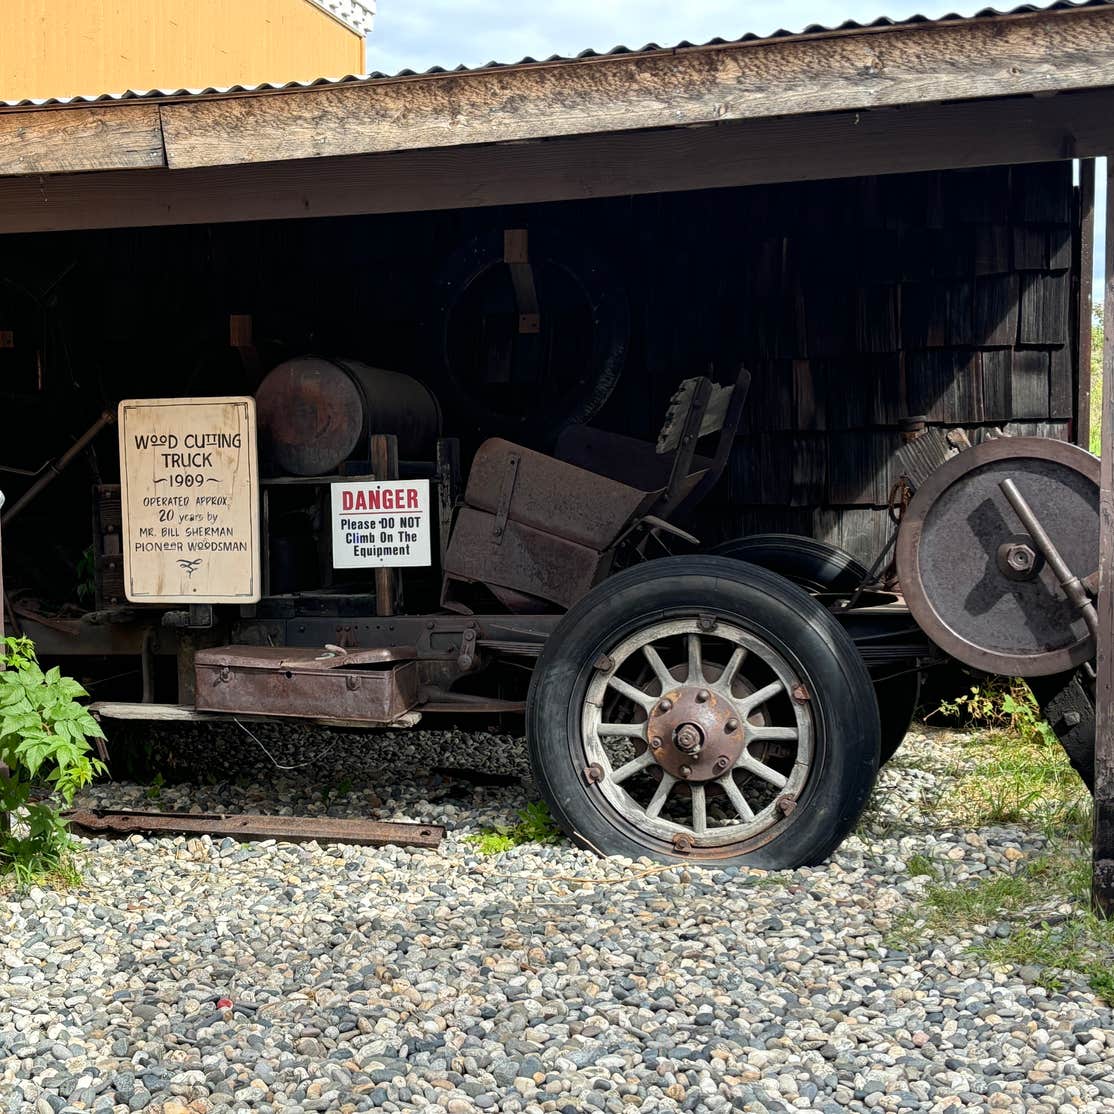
point(948, 295)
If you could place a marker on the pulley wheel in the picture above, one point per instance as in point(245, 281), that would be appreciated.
point(973, 578)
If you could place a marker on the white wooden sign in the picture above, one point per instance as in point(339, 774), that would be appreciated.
point(381, 524)
point(190, 494)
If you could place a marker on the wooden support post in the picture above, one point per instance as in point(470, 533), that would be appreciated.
point(384, 466)
point(448, 480)
point(1102, 884)
point(1085, 304)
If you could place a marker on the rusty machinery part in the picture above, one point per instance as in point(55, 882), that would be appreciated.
point(531, 330)
point(703, 708)
point(315, 413)
point(821, 567)
point(974, 578)
point(324, 829)
point(1067, 702)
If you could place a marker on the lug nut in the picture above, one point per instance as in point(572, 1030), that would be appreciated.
point(702, 696)
point(665, 706)
point(655, 742)
point(686, 771)
point(721, 763)
point(731, 725)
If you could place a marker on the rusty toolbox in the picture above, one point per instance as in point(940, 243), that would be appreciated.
point(330, 683)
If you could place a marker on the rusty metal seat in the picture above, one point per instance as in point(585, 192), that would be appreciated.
point(539, 531)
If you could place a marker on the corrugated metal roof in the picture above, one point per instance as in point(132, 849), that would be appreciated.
point(814, 29)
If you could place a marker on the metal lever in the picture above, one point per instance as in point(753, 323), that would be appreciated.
point(1069, 582)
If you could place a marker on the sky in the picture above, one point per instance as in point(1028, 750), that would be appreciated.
point(418, 34)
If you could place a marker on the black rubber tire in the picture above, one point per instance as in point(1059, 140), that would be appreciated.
point(821, 567)
point(815, 565)
point(845, 714)
point(1065, 702)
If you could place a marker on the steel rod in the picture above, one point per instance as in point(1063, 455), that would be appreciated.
point(1071, 584)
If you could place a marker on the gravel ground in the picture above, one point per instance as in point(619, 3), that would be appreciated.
point(541, 979)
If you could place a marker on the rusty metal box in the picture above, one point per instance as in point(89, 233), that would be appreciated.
point(359, 686)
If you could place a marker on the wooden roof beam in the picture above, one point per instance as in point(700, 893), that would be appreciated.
point(95, 137)
point(1039, 52)
point(923, 137)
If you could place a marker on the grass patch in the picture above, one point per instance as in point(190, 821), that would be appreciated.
point(1013, 770)
point(535, 825)
point(1040, 936)
point(921, 866)
point(54, 870)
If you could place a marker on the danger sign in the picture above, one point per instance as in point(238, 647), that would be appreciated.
point(382, 524)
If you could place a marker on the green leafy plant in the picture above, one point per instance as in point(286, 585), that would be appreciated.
point(535, 825)
point(154, 790)
point(44, 742)
point(1015, 769)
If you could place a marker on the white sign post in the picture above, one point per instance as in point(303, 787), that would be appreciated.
point(190, 495)
point(381, 524)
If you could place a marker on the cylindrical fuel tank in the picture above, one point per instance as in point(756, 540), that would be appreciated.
point(314, 413)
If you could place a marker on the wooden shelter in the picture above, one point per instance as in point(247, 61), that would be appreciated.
point(880, 219)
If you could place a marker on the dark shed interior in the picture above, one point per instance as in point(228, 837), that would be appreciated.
point(854, 303)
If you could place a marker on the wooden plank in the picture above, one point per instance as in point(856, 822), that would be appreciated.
point(810, 469)
point(383, 453)
point(1042, 193)
point(1102, 886)
point(847, 388)
point(877, 320)
point(980, 196)
point(996, 373)
point(103, 137)
point(886, 389)
point(860, 463)
point(995, 310)
point(1039, 53)
point(942, 384)
point(1030, 248)
point(1029, 384)
point(1045, 309)
point(1059, 247)
point(992, 249)
point(1060, 385)
point(1082, 376)
point(810, 394)
point(863, 532)
point(733, 154)
point(770, 400)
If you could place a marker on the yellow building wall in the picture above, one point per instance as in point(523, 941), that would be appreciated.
point(63, 48)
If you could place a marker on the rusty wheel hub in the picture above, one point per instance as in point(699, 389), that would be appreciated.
point(695, 734)
point(701, 731)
